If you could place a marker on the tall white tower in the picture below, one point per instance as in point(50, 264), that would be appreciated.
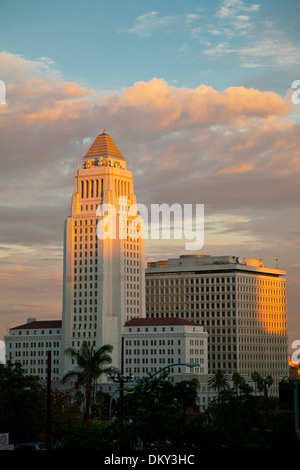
point(104, 268)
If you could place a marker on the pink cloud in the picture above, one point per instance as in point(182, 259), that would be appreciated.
point(175, 107)
point(236, 151)
point(236, 170)
point(11, 271)
point(178, 137)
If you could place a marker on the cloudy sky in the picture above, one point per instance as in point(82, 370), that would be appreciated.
point(197, 95)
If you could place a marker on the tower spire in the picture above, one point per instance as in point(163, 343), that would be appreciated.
point(102, 146)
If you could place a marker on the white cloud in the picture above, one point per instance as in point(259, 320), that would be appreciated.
point(146, 24)
point(14, 67)
point(230, 8)
point(250, 37)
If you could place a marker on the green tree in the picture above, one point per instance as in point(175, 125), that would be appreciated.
point(219, 382)
point(262, 384)
point(258, 381)
point(65, 411)
point(238, 381)
point(101, 408)
point(22, 404)
point(233, 417)
point(91, 364)
point(161, 412)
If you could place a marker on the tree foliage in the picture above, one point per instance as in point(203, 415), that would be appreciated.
point(157, 412)
point(22, 403)
point(91, 363)
point(161, 411)
point(219, 382)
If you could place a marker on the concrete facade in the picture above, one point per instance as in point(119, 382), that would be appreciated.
point(238, 301)
point(29, 344)
point(103, 283)
point(154, 344)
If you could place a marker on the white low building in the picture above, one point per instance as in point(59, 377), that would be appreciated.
point(152, 344)
point(29, 344)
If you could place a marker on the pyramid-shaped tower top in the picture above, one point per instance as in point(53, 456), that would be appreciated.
point(103, 146)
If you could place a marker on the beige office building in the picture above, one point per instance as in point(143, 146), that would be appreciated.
point(240, 303)
point(104, 270)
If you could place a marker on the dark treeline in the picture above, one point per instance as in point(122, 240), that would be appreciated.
point(156, 415)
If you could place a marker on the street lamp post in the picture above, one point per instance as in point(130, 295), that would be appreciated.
point(120, 378)
point(188, 364)
point(48, 416)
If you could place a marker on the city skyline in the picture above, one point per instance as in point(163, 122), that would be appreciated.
point(198, 95)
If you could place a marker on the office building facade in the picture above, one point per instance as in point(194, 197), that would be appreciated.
point(155, 344)
point(30, 343)
point(238, 301)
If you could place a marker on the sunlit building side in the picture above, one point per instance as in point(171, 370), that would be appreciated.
point(239, 302)
point(104, 270)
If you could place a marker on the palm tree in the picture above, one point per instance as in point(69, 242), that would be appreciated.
point(258, 380)
point(268, 382)
point(238, 381)
point(262, 385)
point(219, 381)
point(91, 364)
